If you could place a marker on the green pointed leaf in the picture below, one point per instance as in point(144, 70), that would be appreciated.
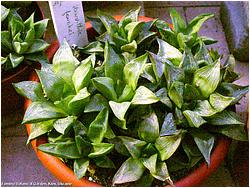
point(64, 62)
point(205, 143)
point(81, 167)
point(158, 66)
point(38, 46)
point(195, 24)
point(16, 25)
point(29, 23)
point(173, 74)
point(148, 73)
point(131, 16)
point(42, 111)
point(134, 146)
point(168, 52)
point(167, 145)
point(93, 47)
point(225, 118)
point(38, 129)
point(203, 56)
point(108, 21)
point(4, 12)
point(21, 47)
point(131, 47)
point(134, 69)
point(84, 147)
point(30, 89)
point(194, 120)
point(161, 172)
point(15, 59)
point(220, 102)
point(52, 85)
point(133, 30)
point(127, 94)
point(100, 149)
point(66, 150)
point(98, 127)
point(175, 93)
point(190, 93)
point(188, 62)
point(105, 85)
point(233, 90)
point(109, 133)
point(104, 162)
point(119, 109)
point(97, 24)
point(204, 109)
point(207, 78)
point(236, 132)
point(145, 181)
point(131, 170)
point(208, 40)
point(168, 127)
point(64, 104)
point(6, 41)
point(82, 75)
point(178, 22)
point(97, 103)
point(64, 125)
point(150, 163)
point(149, 128)
point(113, 63)
point(30, 36)
point(144, 96)
point(40, 27)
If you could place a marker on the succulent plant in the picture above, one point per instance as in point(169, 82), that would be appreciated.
point(146, 118)
point(22, 41)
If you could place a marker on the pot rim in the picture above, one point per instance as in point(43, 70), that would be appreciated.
point(66, 175)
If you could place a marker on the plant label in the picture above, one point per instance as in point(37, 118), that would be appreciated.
point(69, 23)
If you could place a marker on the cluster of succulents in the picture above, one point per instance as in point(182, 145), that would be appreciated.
point(147, 101)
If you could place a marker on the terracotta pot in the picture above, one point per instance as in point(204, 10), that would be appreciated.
point(66, 175)
point(11, 102)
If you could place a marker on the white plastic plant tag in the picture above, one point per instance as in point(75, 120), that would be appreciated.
point(69, 22)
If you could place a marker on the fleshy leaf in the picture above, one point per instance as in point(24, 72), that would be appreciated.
point(149, 128)
point(64, 125)
point(77, 104)
point(97, 24)
point(178, 22)
point(175, 93)
point(203, 56)
point(6, 44)
point(38, 129)
point(131, 170)
point(113, 63)
point(168, 127)
point(20, 47)
point(15, 59)
point(108, 21)
point(134, 69)
point(131, 47)
point(42, 111)
point(16, 25)
point(105, 85)
point(158, 66)
point(205, 143)
point(97, 103)
point(233, 90)
point(127, 94)
point(194, 120)
point(207, 78)
point(173, 74)
point(81, 167)
point(37, 46)
point(161, 172)
point(100, 149)
point(4, 12)
point(52, 85)
point(168, 52)
point(225, 118)
point(188, 62)
point(92, 47)
point(119, 109)
point(134, 146)
point(220, 102)
point(104, 162)
point(148, 73)
point(204, 109)
point(82, 75)
point(144, 96)
point(40, 27)
point(64, 62)
point(66, 150)
point(131, 16)
point(167, 145)
point(150, 163)
point(133, 30)
point(195, 24)
point(98, 127)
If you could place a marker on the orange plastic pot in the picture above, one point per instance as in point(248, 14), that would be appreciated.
point(66, 175)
